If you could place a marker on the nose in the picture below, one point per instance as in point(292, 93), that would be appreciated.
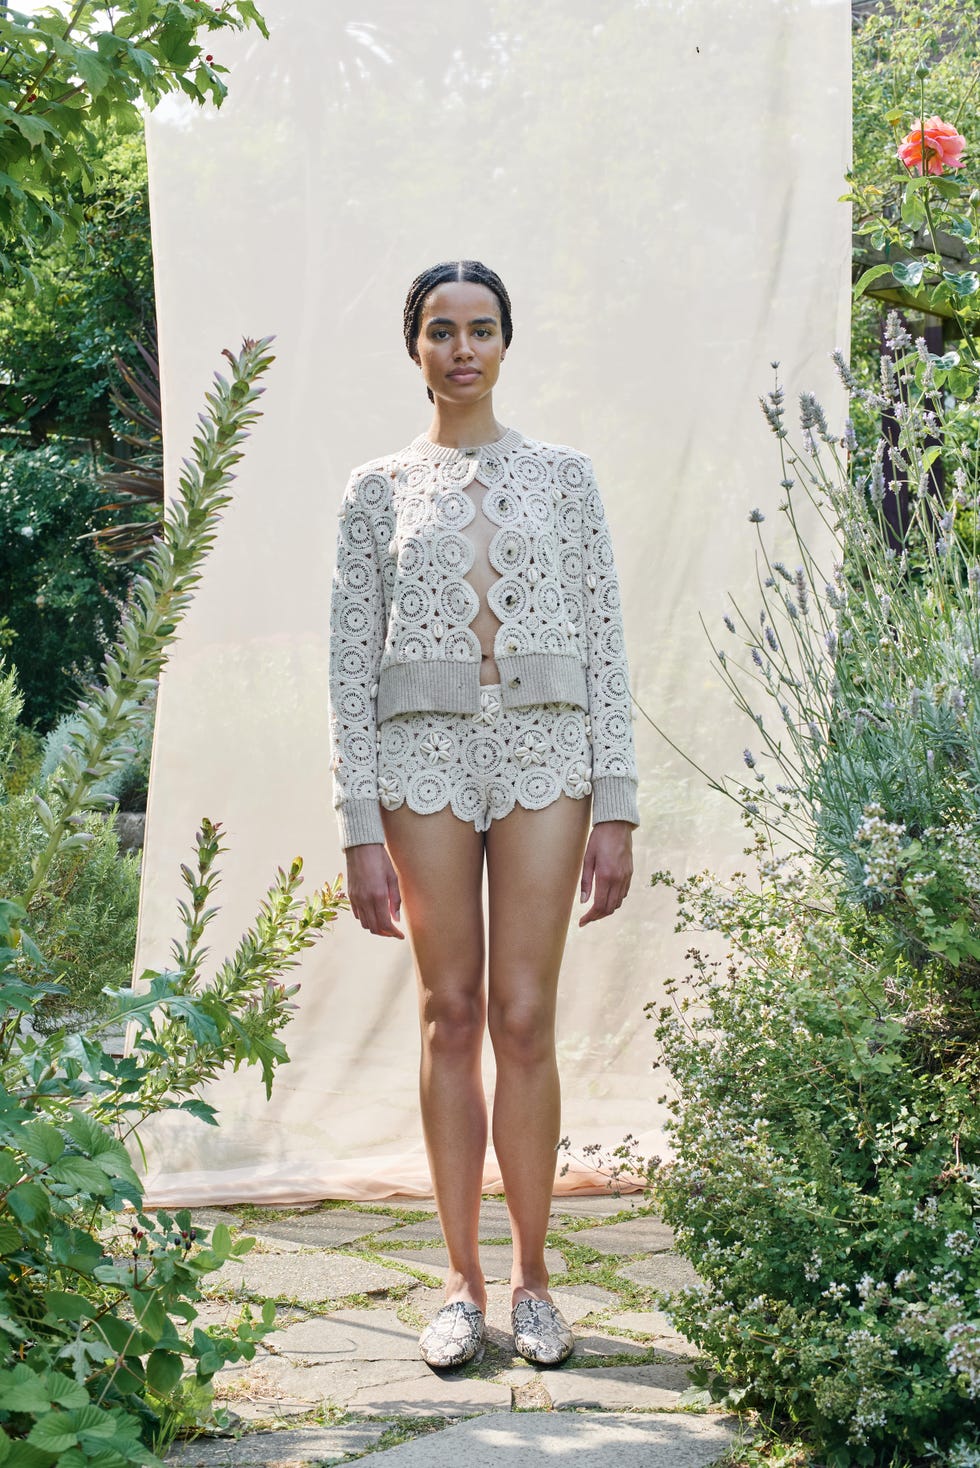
point(463, 348)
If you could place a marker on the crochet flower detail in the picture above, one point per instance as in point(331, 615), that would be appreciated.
point(577, 779)
point(437, 747)
point(389, 792)
point(489, 709)
point(531, 750)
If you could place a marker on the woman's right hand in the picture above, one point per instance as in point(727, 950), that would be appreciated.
point(372, 887)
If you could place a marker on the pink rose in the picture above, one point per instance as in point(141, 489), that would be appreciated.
point(943, 146)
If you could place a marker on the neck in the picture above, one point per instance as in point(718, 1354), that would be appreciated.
point(464, 426)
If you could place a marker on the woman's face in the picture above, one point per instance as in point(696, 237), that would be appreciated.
point(460, 346)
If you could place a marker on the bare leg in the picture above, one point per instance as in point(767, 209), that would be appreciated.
point(439, 861)
point(534, 862)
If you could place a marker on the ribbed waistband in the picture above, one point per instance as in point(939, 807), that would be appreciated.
point(436, 686)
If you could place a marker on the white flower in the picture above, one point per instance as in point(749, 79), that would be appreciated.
point(389, 791)
point(532, 749)
point(489, 709)
point(437, 747)
point(577, 779)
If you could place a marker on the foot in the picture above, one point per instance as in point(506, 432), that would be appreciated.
point(455, 1335)
point(542, 1335)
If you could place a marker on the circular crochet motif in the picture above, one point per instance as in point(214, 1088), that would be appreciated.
point(482, 765)
point(401, 596)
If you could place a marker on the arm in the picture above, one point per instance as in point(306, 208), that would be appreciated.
point(357, 631)
point(608, 856)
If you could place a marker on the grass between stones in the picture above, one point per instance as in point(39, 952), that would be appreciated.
point(584, 1266)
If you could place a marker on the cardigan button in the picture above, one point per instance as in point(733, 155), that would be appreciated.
point(514, 683)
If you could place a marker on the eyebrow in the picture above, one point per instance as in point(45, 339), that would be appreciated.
point(477, 321)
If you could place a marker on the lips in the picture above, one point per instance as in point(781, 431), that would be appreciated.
point(463, 374)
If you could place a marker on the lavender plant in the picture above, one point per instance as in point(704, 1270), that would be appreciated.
point(861, 674)
point(826, 1127)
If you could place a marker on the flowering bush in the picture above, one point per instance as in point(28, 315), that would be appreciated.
point(826, 1184)
point(870, 756)
point(826, 1123)
point(917, 217)
point(938, 141)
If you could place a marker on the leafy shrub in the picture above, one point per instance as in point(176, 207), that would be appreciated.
point(62, 595)
point(826, 1122)
point(84, 917)
point(826, 1184)
point(127, 784)
point(97, 1311)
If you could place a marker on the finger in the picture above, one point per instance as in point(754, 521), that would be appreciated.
point(588, 869)
point(382, 924)
point(394, 896)
point(601, 905)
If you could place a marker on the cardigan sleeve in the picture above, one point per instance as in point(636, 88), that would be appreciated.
point(614, 773)
point(357, 632)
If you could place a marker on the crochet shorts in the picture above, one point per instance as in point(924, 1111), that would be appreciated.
point(484, 764)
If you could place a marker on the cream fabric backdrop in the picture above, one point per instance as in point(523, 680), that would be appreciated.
point(657, 185)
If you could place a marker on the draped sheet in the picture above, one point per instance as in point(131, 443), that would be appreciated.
point(658, 186)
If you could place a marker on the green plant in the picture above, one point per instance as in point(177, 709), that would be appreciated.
point(62, 593)
point(88, 301)
point(861, 675)
point(129, 777)
point(825, 1123)
point(65, 75)
point(97, 1311)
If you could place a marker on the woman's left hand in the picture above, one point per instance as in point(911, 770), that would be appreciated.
point(609, 862)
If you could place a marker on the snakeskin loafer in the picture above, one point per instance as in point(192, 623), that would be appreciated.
point(541, 1332)
point(455, 1335)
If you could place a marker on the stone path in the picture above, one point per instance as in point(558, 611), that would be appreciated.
point(341, 1377)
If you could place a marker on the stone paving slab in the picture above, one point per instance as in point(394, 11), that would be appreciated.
point(636, 1234)
point(439, 1394)
point(257, 1408)
point(606, 1345)
point(494, 1224)
point(661, 1272)
point(335, 1382)
point(590, 1440)
point(624, 1387)
point(326, 1229)
point(495, 1258)
point(654, 1325)
point(311, 1278)
point(321, 1445)
point(211, 1217)
point(600, 1205)
point(358, 1335)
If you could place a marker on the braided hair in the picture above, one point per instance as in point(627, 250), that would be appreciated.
point(470, 270)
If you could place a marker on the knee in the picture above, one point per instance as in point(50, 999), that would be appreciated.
point(452, 1024)
point(523, 1031)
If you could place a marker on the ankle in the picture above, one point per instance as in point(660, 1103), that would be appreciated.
point(469, 1286)
point(529, 1285)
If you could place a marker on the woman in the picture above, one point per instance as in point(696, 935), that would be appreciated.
point(479, 697)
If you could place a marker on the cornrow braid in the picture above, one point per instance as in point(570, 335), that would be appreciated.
point(470, 270)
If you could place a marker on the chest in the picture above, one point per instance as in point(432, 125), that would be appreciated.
point(439, 529)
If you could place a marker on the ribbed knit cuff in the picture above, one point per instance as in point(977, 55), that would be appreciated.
point(360, 823)
point(614, 799)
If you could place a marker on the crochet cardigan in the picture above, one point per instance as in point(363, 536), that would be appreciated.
point(400, 639)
